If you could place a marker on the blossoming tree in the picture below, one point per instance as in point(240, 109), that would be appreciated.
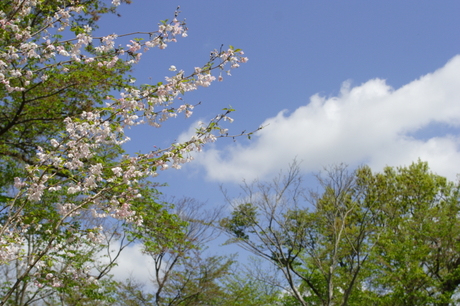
point(65, 177)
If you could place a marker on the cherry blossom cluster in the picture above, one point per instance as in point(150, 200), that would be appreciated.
point(71, 169)
point(91, 180)
point(86, 137)
point(10, 245)
point(57, 275)
point(152, 103)
point(23, 60)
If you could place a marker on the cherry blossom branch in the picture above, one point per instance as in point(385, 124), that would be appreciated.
point(71, 169)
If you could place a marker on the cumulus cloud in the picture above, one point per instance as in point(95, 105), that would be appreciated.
point(132, 263)
point(370, 124)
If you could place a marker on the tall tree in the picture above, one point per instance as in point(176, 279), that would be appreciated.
point(417, 259)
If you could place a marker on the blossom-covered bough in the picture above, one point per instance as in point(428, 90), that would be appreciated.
point(77, 177)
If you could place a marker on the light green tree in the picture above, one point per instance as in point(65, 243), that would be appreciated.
point(184, 273)
point(386, 238)
point(416, 260)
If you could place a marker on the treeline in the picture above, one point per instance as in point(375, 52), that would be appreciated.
point(389, 238)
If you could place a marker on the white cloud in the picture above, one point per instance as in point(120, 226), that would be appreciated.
point(187, 135)
point(133, 263)
point(371, 124)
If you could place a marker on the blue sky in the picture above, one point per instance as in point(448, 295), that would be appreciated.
point(359, 82)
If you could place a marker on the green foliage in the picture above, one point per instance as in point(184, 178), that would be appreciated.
point(249, 287)
point(28, 120)
point(243, 217)
point(387, 238)
point(417, 257)
point(31, 118)
point(197, 282)
point(212, 280)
